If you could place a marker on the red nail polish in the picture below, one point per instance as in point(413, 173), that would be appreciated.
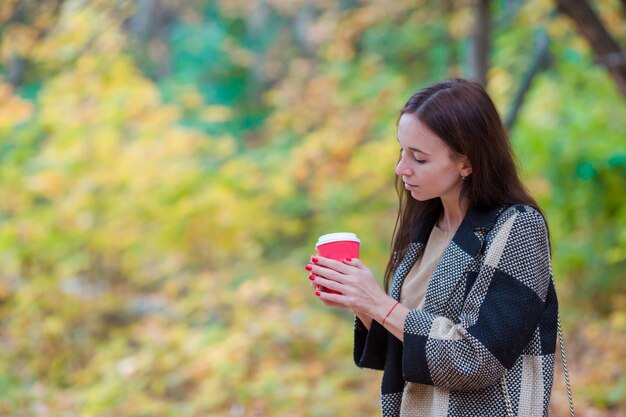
point(317, 293)
point(315, 260)
point(312, 277)
point(308, 267)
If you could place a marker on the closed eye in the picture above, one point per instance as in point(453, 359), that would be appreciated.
point(416, 159)
point(419, 161)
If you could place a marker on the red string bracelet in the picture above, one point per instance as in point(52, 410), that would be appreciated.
point(394, 306)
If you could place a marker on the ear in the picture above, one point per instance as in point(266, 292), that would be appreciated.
point(465, 168)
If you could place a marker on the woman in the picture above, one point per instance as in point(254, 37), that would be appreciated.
point(466, 325)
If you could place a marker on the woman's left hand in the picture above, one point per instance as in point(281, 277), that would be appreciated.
point(356, 284)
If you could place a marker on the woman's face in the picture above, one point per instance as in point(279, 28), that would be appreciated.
point(426, 166)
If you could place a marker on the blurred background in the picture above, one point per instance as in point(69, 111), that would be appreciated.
point(166, 167)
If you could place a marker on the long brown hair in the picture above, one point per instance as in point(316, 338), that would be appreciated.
point(462, 114)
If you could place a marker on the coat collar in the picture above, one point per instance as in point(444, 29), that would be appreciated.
point(473, 229)
point(469, 237)
point(476, 222)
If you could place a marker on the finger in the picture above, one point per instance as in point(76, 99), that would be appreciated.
point(355, 262)
point(329, 283)
point(319, 270)
point(331, 263)
point(332, 299)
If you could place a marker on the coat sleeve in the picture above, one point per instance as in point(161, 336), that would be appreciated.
point(498, 319)
point(369, 345)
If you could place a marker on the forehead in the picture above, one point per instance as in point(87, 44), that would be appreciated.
point(412, 133)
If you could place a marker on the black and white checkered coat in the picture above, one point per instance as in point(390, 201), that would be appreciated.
point(490, 311)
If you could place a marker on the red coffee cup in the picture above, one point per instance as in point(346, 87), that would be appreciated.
point(338, 246)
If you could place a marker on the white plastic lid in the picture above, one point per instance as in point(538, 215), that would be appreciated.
point(336, 237)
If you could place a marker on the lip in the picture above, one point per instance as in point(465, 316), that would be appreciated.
point(409, 186)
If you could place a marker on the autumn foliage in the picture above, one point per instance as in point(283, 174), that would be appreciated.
point(166, 168)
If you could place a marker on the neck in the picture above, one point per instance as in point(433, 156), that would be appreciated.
point(453, 213)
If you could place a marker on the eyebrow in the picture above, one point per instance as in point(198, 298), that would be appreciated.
point(418, 150)
point(415, 149)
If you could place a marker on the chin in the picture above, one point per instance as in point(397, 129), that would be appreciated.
point(418, 197)
point(422, 197)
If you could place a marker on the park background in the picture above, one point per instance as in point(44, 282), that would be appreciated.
point(166, 167)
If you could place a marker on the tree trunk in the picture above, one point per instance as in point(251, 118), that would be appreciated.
point(142, 21)
point(540, 61)
point(256, 24)
point(15, 70)
point(151, 25)
point(301, 26)
point(452, 50)
point(605, 47)
point(479, 46)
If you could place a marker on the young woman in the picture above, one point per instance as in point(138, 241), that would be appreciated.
point(466, 325)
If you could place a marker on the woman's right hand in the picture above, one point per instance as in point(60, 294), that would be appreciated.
point(317, 289)
point(365, 319)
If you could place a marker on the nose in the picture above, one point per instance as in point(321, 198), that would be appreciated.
point(402, 170)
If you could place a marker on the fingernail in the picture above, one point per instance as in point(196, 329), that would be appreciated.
point(317, 293)
point(348, 260)
point(308, 267)
point(315, 260)
point(312, 277)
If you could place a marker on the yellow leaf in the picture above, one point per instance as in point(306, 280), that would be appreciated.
point(217, 114)
point(13, 109)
